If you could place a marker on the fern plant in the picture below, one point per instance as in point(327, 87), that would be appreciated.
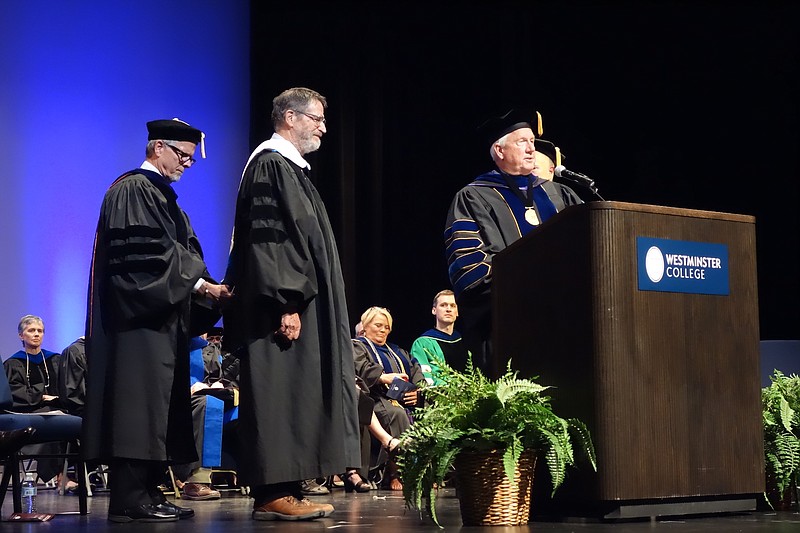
point(781, 404)
point(469, 412)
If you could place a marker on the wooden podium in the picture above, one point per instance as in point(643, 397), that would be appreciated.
point(667, 382)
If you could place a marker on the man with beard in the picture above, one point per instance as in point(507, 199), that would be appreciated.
point(297, 415)
point(147, 275)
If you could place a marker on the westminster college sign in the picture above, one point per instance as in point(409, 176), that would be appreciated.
point(666, 265)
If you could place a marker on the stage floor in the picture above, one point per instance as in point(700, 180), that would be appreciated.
point(376, 511)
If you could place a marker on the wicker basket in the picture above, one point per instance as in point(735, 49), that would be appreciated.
point(486, 496)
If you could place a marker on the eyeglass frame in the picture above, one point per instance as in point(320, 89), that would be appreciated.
point(316, 118)
point(183, 157)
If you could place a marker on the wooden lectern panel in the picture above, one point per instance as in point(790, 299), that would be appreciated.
point(667, 382)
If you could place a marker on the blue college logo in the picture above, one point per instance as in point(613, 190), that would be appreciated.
point(682, 266)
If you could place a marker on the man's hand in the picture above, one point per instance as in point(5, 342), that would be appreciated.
point(290, 326)
point(216, 293)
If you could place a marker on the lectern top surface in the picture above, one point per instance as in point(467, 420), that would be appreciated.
point(665, 210)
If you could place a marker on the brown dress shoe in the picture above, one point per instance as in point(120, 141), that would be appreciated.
point(326, 508)
point(199, 491)
point(290, 508)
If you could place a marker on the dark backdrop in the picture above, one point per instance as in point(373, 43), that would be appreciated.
point(685, 104)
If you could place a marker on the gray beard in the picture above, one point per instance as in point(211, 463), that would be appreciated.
point(309, 145)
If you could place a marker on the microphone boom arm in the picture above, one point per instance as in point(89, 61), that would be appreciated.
point(577, 177)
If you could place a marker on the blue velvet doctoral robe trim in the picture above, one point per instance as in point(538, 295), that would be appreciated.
point(212, 441)
point(197, 369)
point(215, 408)
point(383, 355)
point(158, 180)
point(37, 358)
point(442, 336)
point(544, 205)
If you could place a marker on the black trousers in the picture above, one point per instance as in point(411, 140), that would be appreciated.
point(134, 482)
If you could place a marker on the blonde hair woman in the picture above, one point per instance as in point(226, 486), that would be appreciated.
point(379, 363)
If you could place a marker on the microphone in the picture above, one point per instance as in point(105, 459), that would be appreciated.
point(562, 172)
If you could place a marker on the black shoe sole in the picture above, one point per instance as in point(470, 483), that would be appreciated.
point(122, 519)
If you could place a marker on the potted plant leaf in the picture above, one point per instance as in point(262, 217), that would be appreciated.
point(781, 405)
point(493, 431)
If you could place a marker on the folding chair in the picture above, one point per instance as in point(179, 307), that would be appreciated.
point(49, 428)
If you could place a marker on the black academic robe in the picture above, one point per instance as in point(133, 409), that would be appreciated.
point(30, 377)
point(394, 417)
point(484, 218)
point(146, 263)
point(72, 377)
point(297, 413)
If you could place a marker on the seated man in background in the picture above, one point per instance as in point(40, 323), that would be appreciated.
point(215, 400)
point(72, 377)
point(442, 343)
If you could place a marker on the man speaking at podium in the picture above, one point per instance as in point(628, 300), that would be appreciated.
point(496, 209)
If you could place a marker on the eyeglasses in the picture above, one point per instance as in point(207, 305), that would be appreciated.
point(316, 118)
point(183, 157)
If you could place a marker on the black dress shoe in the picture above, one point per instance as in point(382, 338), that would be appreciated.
point(143, 513)
point(13, 440)
point(182, 512)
